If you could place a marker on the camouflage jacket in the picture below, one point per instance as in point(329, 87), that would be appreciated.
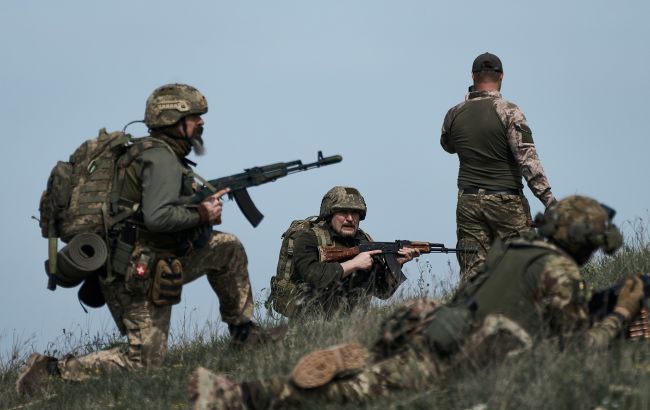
point(548, 299)
point(462, 132)
point(160, 180)
point(323, 279)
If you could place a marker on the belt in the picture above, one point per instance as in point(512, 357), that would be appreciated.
point(475, 190)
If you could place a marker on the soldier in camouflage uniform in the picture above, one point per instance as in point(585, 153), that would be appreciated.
point(332, 287)
point(160, 181)
point(495, 149)
point(486, 322)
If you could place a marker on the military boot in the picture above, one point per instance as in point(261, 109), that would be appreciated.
point(208, 390)
point(34, 374)
point(320, 367)
point(252, 334)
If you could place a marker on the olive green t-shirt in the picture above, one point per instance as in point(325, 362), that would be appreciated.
point(476, 133)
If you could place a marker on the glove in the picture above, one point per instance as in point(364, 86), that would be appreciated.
point(629, 298)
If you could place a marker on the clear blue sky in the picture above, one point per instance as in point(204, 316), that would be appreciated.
point(370, 80)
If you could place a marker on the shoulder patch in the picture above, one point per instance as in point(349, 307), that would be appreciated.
point(526, 133)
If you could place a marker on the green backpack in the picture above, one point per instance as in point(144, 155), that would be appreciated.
point(284, 292)
point(82, 194)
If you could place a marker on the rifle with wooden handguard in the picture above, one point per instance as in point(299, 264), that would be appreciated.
point(389, 250)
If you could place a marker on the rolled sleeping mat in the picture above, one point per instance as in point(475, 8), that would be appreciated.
point(85, 254)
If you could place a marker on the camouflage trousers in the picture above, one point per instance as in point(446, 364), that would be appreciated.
point(407, 371)
point(415, 368)
point(146, 325)
point(482, 218)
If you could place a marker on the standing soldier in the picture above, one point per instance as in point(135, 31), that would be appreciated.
point(495, 149)
point(169, 244)
point(528, 290)
point(305, 284)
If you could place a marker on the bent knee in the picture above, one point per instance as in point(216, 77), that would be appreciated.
point(227, 243)
point(224, 238)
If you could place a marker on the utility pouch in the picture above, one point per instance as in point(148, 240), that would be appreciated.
point(123, 249)
point(167, 282)
point(121, 258)
point(448, 329)
point(283, 296)
point(404, 327)
point(137, 278)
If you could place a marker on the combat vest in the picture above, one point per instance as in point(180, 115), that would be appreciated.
point(176, 243)
point(507, 286)
point(285, 291)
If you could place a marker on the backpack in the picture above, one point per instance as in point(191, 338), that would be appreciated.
point(78, 191)
point(284, 292)
point(82, 194)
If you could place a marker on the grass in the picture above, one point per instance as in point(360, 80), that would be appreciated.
point(545, 378)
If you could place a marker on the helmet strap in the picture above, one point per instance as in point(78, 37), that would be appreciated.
point(184, 124)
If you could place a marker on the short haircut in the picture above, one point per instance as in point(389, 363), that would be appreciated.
point(487, 76)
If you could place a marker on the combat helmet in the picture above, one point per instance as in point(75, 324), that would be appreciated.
point(342, 198)
point(169, 103)
point(580, 225)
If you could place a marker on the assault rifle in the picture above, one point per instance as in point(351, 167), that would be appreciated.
point(388, 251)
point(238, 183)
point(603, 303)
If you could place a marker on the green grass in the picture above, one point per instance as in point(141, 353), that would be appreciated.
point(545, 378)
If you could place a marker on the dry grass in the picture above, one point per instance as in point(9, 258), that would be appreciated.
point(544, 379)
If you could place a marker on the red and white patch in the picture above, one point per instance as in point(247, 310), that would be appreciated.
point(140, 269)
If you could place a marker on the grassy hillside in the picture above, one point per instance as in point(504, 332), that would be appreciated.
point(543, 379)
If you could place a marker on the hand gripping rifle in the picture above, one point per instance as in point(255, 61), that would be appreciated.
point(238, 183)
point(388, 250)
point(603, 303)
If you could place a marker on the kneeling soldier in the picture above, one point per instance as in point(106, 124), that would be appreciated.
point(169, 244)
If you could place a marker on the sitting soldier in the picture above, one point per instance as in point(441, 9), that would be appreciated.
point(305, 284)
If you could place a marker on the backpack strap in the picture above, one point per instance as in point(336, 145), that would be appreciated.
point(202, 180)
point(281, 287)
point(322, 234)
point(138, 146)
point(288, 268)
